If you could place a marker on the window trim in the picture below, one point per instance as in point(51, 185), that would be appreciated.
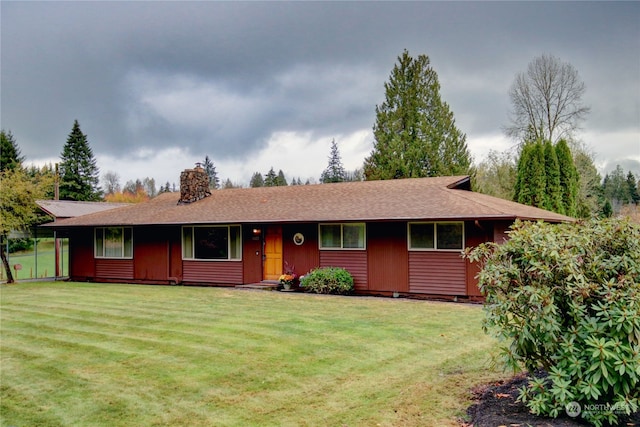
point(435, 236)
point(342, 248)
point(104, 240)
point(193, 249)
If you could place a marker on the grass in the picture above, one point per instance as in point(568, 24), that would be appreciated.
point(46, 261)
point(121, 355)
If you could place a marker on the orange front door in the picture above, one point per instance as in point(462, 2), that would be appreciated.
point(272, 268)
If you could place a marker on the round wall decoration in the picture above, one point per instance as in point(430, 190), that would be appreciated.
point(298, 239)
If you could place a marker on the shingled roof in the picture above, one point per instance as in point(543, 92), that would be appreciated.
point(440, 198)
point(60, 209)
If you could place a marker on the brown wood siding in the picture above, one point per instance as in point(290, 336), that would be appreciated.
point(355, 262)
point(175, 255)
point(114, 269)
point(305, 257)
point(500, 231)
point(212, 272)
point(476, 232)
point(151, 253)
point(81, 261)
point(437, 273)
point(387, 257)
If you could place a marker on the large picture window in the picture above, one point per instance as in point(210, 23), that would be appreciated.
point(436, 236)
point(113, 242)
point(220, 242)
point(342, 236)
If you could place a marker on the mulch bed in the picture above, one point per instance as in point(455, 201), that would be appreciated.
point(496, 407)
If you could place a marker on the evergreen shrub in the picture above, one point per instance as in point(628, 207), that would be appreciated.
point(566, 299)
point(328, 280)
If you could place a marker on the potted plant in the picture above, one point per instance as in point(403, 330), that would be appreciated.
point(288, 279)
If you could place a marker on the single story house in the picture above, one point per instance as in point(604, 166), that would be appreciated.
point(401, 236)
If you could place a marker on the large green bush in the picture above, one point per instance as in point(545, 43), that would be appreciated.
point(566, 299)
point(328, 280)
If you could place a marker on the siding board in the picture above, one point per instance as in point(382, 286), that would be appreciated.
point(114, 269)
point(387, 257)
point(212, 272)
point(437, 273)
point(81, 261)
point(355, 262)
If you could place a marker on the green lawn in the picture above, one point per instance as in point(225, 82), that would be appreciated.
point(98, 354)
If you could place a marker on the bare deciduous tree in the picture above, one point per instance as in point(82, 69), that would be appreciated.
point(546, 101)
point(111, 182)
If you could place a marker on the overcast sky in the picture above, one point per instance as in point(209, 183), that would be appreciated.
point(157, 86)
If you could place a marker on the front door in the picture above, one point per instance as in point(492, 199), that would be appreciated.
point(272, 266)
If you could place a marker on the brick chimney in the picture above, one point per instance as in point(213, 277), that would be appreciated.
point(194, 185)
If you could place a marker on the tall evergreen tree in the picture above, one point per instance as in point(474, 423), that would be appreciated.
point(10, 157)
point(78, 169)
point(270, 178)
point(335, 171)
point(632, 184)
point(590, 198)
point(530, 183)
point(553, 192)
point(281, 181)
point(256, 180)
point(415, 133)
point(616, 188)
point(569, 180)
point(210, 169)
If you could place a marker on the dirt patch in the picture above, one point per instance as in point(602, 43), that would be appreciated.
point(496, 405)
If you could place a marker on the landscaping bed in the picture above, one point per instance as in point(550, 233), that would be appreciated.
point(496, 405)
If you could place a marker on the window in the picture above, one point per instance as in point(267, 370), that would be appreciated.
point(436, 236)
point(342, 236)
point(212, 243)
point(114, 242)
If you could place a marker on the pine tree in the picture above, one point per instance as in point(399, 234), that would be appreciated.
point(335, 171)
point(281, 181)
point(78, 170)
point(569, 180)
point(10, 157)
point(415, 133)
point(228, 184)
point(270, 178)
point(590, 196)
point(256, 180)
point(210, 169)
point(553, 192)
point(530, 178)
point(632, 184)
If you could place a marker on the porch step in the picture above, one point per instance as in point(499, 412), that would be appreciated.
point(265, 285)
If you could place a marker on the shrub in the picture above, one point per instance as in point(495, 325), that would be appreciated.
point(18, 245)
point(328, 280)
point(566, 298)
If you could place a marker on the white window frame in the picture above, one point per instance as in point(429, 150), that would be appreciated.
point(435, 236)
point(193, 249)
point(101, 254)
point(342, 225)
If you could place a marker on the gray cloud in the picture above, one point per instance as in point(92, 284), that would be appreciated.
point(222, 77)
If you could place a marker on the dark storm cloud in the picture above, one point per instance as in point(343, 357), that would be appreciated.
point(222, 77)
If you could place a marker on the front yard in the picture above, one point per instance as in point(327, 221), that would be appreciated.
point(98, 354)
